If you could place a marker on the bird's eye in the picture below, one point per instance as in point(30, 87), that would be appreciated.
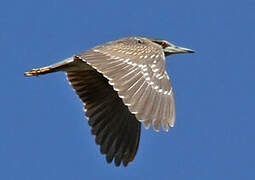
point(164, 44)
point(139, 41)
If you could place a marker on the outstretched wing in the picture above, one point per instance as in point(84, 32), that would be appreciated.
point(117, 130)
point(136, 70)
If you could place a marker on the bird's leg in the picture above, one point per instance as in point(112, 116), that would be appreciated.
point(70, 64)
point(65, 65)
point(39, 71)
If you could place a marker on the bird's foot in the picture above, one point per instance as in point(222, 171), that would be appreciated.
point(36, 72)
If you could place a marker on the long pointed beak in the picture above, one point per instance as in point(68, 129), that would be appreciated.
point(175, 50)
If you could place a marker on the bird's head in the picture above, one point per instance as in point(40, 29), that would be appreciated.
point(170, 48)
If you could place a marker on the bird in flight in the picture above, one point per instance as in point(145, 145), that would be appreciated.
point(122, 84)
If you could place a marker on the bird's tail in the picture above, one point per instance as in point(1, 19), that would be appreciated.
point(62, 66)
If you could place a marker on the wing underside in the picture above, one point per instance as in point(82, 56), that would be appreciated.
point(117, 131)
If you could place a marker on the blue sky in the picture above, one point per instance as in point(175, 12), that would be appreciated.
point(43, 132)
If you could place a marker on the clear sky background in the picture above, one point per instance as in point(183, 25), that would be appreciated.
point(43, 132)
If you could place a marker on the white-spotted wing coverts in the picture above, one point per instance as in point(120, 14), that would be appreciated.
point(138, 74)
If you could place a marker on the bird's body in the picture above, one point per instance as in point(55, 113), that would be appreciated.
point(121, 84)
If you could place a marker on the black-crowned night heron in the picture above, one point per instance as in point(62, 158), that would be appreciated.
point(122, 83)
